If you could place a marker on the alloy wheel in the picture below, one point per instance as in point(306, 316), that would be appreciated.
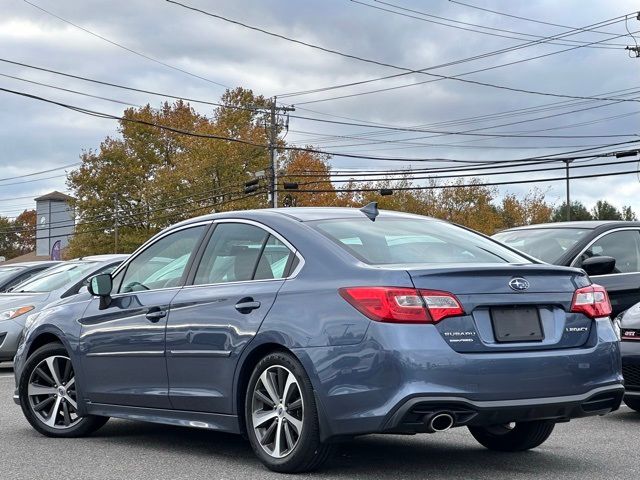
point(277, 411)
point(52, 392)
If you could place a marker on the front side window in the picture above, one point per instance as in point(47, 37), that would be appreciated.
point(239, 252)
point(163, 263)
point(623, 245)
point(413, 241)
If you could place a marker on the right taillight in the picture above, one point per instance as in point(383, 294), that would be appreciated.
point(592, 301)
point(402, 305)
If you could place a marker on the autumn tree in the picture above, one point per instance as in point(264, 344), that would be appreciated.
point(310, 171)
point(516, 211)
point(25, 232)
point(148, 177)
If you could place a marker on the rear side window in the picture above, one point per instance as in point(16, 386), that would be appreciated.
point(415, 240)
point(239, 252)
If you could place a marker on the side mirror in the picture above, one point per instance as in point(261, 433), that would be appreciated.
point(599, 265)
point(101, 286)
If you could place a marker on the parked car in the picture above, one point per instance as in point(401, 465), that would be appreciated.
point(301, 326)
point(629, 324)
point(15, 273)
point(609, 251)
point(29, 297)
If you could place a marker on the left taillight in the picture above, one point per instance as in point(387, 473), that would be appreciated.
point(402, 305)
point(592, 301)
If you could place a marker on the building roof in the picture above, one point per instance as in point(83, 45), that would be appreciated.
point(28, 257)
point(55, 196)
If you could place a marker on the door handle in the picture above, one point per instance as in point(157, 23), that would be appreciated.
point(246, 305)
point(155, 314)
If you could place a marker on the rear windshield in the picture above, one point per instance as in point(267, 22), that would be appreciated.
point(56, 277)
point(413, 240)
point(547, 244)
point(8, 272)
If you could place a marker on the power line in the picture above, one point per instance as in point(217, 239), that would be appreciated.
point(458, 62)
point(123, 87)
point(420, 130)
point(119, 45)
point(40, 172)
point(527, 19)
point(33, 82)
point(468, 24)
point(377, 62)
point(453, 77)
point(481, 118)
point(489, 184)
point(283, 148)
point(412, 176)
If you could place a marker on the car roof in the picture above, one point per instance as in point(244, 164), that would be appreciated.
point(31, 264)
point(584, 225)
point(301, 214)
point(101, 258)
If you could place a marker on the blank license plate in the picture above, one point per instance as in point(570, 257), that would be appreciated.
point(516, 324)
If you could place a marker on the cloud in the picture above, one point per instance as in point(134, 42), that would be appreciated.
point(36, 136)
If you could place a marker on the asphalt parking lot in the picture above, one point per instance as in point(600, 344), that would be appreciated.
point(601, 447)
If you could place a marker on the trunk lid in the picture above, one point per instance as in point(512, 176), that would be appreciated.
point(507, 305)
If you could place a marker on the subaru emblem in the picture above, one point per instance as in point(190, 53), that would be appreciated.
point(519, 284)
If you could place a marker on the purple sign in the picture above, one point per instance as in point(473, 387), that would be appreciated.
point(55, 251)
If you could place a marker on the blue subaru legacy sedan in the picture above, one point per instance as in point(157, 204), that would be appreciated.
point(302, 326)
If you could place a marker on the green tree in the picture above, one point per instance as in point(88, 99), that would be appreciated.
point(628, 214)
point(603, 210)
point(578, 212)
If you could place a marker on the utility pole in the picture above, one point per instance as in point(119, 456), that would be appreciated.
point(568, 206)
point(273, 146)
point(115, 223)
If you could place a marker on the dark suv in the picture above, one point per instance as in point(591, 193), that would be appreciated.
point(609, 251)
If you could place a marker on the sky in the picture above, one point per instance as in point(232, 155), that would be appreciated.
point(208, 54)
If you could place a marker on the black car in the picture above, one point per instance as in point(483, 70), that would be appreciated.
point(609, 251)
point(14, 273)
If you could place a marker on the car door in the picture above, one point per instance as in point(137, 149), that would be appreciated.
point(241, 269)
point(623, 285)
point(122, 346)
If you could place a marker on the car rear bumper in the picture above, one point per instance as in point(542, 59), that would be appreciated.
point(361, 388)
point(412, 415)
point(630, 351)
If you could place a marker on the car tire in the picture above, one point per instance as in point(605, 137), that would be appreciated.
point(293, 418)
point(632, 403)
point(513, 438)
point(52, 410)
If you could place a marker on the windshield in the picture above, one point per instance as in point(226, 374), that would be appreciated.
point(7, 273)
point(415, 240)
point(547, 244)
point(57, 277)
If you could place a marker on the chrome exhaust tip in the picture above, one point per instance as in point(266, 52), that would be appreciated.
point(439, 422)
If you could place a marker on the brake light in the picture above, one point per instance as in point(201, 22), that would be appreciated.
point(592, 301)
point(402, 305)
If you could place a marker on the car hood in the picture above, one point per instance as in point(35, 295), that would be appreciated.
point(11, 300)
